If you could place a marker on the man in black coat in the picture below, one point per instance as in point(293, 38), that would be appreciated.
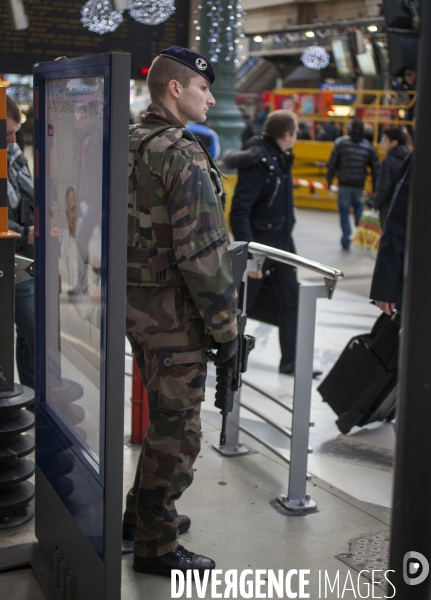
point(387, 283)
point(351, 156)
point(393, 143)
point(262, 211)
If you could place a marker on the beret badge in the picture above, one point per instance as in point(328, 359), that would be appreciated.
point(201, 64)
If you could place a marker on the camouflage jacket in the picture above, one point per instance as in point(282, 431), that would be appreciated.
point(176, 233)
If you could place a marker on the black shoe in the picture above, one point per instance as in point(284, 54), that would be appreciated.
point(289, 369)
point(180, 559)
point(129, 530)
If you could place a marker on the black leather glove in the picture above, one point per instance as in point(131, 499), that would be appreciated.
point(226, 351)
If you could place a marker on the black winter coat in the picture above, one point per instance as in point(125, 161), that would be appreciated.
point(350, 158)
point(387, 283)
point(388, 178)
point(262, 206)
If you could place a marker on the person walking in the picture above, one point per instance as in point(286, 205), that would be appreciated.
point(179, 286)
point(393, 144)
point(351, 156)
point(20, 192)
point(262, 211)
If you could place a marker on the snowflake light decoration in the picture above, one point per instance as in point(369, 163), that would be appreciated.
point(151, 12)
point(99, 16)
point(315, 57)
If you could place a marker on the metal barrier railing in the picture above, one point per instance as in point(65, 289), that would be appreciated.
point(296, 498)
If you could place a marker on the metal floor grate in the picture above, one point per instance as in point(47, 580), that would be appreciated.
point(367, 553)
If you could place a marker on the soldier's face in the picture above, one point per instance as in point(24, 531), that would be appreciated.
point(195, 100)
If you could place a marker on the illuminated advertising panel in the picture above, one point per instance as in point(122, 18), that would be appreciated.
point(74, 131)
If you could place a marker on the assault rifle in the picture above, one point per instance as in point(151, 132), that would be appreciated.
point(228, 380)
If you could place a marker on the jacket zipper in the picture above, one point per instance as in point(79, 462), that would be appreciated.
point(277, 187)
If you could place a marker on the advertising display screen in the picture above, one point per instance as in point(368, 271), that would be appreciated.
point(74, 132)
point(367, 61)
point(342, 58)
point(81, 116)
point(383, 52)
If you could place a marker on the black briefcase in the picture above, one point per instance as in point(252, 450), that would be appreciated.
point(360, 386)
point(262, 301)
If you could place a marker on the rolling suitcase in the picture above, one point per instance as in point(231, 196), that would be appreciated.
point(360, 386)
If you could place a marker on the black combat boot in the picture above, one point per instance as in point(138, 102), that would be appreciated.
point(129, 530)
point(180, 559)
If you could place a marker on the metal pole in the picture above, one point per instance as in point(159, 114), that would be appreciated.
point(411, 515)
point(296, 498)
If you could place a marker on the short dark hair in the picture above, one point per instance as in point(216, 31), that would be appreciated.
point(280, 122)
point(395, 134)
point(357, 125)
point(12, 110)
point(162, 71)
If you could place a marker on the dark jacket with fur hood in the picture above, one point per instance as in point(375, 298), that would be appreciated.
point(262, 206)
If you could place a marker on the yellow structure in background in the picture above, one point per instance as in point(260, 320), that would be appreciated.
point(376, 108)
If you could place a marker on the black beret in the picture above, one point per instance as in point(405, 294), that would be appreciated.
point(193, 60)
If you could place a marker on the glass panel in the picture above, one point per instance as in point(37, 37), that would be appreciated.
point(382, 48)
point(73, 174)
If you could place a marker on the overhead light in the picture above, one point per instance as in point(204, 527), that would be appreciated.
point(309, 34)
point(372, 28)
point(19, 18)
point(258, 39)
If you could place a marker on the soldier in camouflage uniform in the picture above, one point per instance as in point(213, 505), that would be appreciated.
point(179, 286)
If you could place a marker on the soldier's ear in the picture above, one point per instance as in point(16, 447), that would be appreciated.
point(174, 88)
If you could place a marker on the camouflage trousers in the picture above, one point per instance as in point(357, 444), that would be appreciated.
point(173, 373)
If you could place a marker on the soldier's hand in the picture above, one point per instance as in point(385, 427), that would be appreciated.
point(226, 351)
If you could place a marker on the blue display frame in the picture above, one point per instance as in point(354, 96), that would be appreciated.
point(79, 504)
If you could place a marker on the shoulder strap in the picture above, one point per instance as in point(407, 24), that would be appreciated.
point(135, 143)
point(135, 146)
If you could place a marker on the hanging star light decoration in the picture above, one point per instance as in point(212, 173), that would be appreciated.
point(99, 16)
point(315, 57)
point(151, 12)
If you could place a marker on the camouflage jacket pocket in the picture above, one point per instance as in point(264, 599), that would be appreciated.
point(152, 309)
point(182, 377)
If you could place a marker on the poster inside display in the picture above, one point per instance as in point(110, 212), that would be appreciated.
point(74, 110)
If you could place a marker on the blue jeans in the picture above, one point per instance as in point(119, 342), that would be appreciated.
point(347, 197)
point(24, 321)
